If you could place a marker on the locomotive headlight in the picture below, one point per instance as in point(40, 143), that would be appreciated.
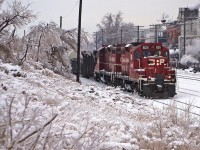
point(169, 77)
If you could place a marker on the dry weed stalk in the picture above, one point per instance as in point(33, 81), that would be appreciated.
point(168, 129)
point(17, 131)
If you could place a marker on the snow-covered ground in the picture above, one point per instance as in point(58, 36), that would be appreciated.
point(188, 87)
point(42, 110)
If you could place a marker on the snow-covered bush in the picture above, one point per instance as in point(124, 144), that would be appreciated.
point(43, 110)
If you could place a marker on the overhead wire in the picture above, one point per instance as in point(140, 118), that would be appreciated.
point(65, 16)
point(176, 107)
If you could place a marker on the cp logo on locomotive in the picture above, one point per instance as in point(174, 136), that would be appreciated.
point(153, 62)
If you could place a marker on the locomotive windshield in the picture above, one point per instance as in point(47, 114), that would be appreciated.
point(146, 53)
point(156, 53)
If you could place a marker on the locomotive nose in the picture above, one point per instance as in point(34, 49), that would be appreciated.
point(157, 64)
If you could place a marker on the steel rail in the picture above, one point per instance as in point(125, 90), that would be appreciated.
point(176, 107)
point(190, 90)
point(188, 93)
point(187, 104)
point(188, 77)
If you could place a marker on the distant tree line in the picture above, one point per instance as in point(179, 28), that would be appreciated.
point(113, 30)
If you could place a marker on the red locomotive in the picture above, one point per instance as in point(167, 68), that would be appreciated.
point(140, 67)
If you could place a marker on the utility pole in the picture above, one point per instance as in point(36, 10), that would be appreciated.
point(79, 42)
point(184, 24)
point(61, 22)
point(121, 36)
point(156, 31)
point(102, 36)
point(138, 33)
point(96, 41)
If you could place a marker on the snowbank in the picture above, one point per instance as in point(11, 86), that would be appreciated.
point(42, 109)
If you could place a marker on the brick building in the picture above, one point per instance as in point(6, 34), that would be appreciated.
point(173, 32)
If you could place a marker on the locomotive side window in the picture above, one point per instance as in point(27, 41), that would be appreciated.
point(137, 54)
point(165, 54)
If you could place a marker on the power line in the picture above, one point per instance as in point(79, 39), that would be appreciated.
point(71, 9)
point(156, 31)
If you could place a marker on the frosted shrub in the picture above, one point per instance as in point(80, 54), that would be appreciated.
point(169, 128)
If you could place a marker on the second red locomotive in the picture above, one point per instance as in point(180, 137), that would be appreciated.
point(140, 67)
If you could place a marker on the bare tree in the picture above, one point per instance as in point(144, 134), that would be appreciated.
point(112, 30)
point(52, 46)
point(16, 15)
point(13, 17)
point(41, 38)
point(69, 37)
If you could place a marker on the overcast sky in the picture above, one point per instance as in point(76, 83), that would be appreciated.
point(139, 12)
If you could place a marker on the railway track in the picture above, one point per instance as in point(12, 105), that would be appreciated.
point(192, 83)
point(177, 101)
point(189, 92)
point(189, 77)
point(187, 105)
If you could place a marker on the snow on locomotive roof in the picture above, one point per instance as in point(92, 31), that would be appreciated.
point(128, 45)
point(174, 51)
